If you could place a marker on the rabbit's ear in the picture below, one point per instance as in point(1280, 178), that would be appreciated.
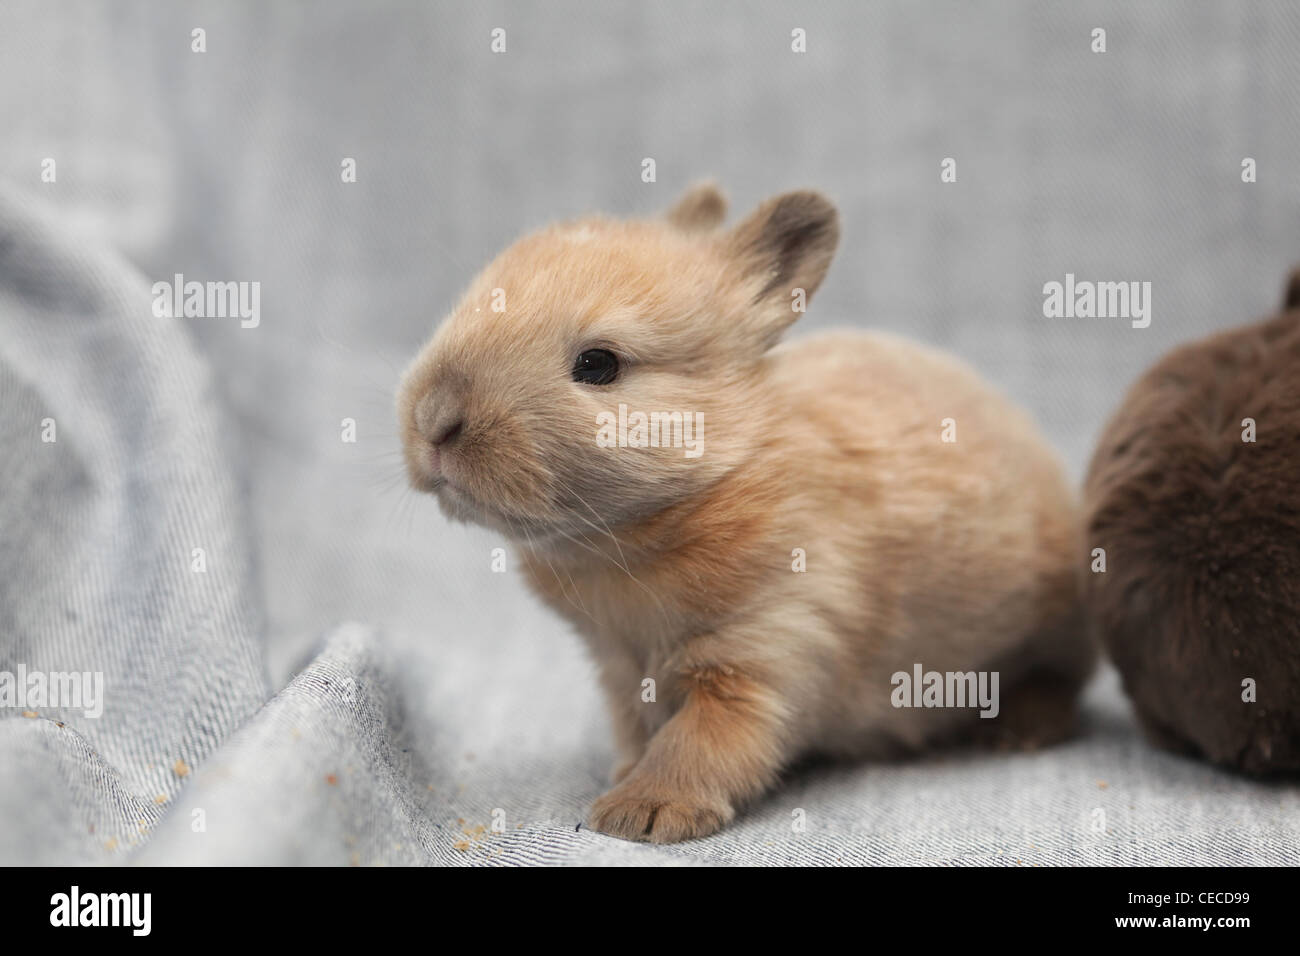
point(783, 251)
point(701, 207)
point(1292, 300)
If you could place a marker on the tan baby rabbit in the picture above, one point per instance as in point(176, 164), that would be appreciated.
point(815, 522)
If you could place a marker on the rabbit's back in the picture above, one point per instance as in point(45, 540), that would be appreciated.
point(1192, 493)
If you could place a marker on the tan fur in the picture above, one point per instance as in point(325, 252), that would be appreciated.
point(960, 556)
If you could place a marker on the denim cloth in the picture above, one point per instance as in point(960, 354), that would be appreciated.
point(349, 681)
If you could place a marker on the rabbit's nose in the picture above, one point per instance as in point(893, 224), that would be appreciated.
point(439, 422)
point(448, 433)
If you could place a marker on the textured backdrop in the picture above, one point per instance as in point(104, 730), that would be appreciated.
point(240, 692)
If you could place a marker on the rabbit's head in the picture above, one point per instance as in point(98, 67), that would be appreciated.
point(599, 371)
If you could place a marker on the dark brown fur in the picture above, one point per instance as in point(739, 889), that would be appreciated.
point(1202, 537)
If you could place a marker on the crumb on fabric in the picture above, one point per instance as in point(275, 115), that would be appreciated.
point(161, 798)
point(181, 768)
point(331, 779)
point(30, 713)
point(1102, 785)
point(476, 834)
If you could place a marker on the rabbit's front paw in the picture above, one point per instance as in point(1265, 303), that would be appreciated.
point(636, 811)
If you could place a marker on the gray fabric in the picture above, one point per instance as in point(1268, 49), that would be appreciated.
point(313, 740)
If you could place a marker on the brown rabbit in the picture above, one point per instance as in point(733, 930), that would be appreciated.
point(1198, 511)
point(816, 522)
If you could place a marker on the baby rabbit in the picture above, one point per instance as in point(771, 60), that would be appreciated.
point(838, 515)
point(1194, 493)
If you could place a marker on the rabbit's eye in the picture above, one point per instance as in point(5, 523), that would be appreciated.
point(595, 367)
